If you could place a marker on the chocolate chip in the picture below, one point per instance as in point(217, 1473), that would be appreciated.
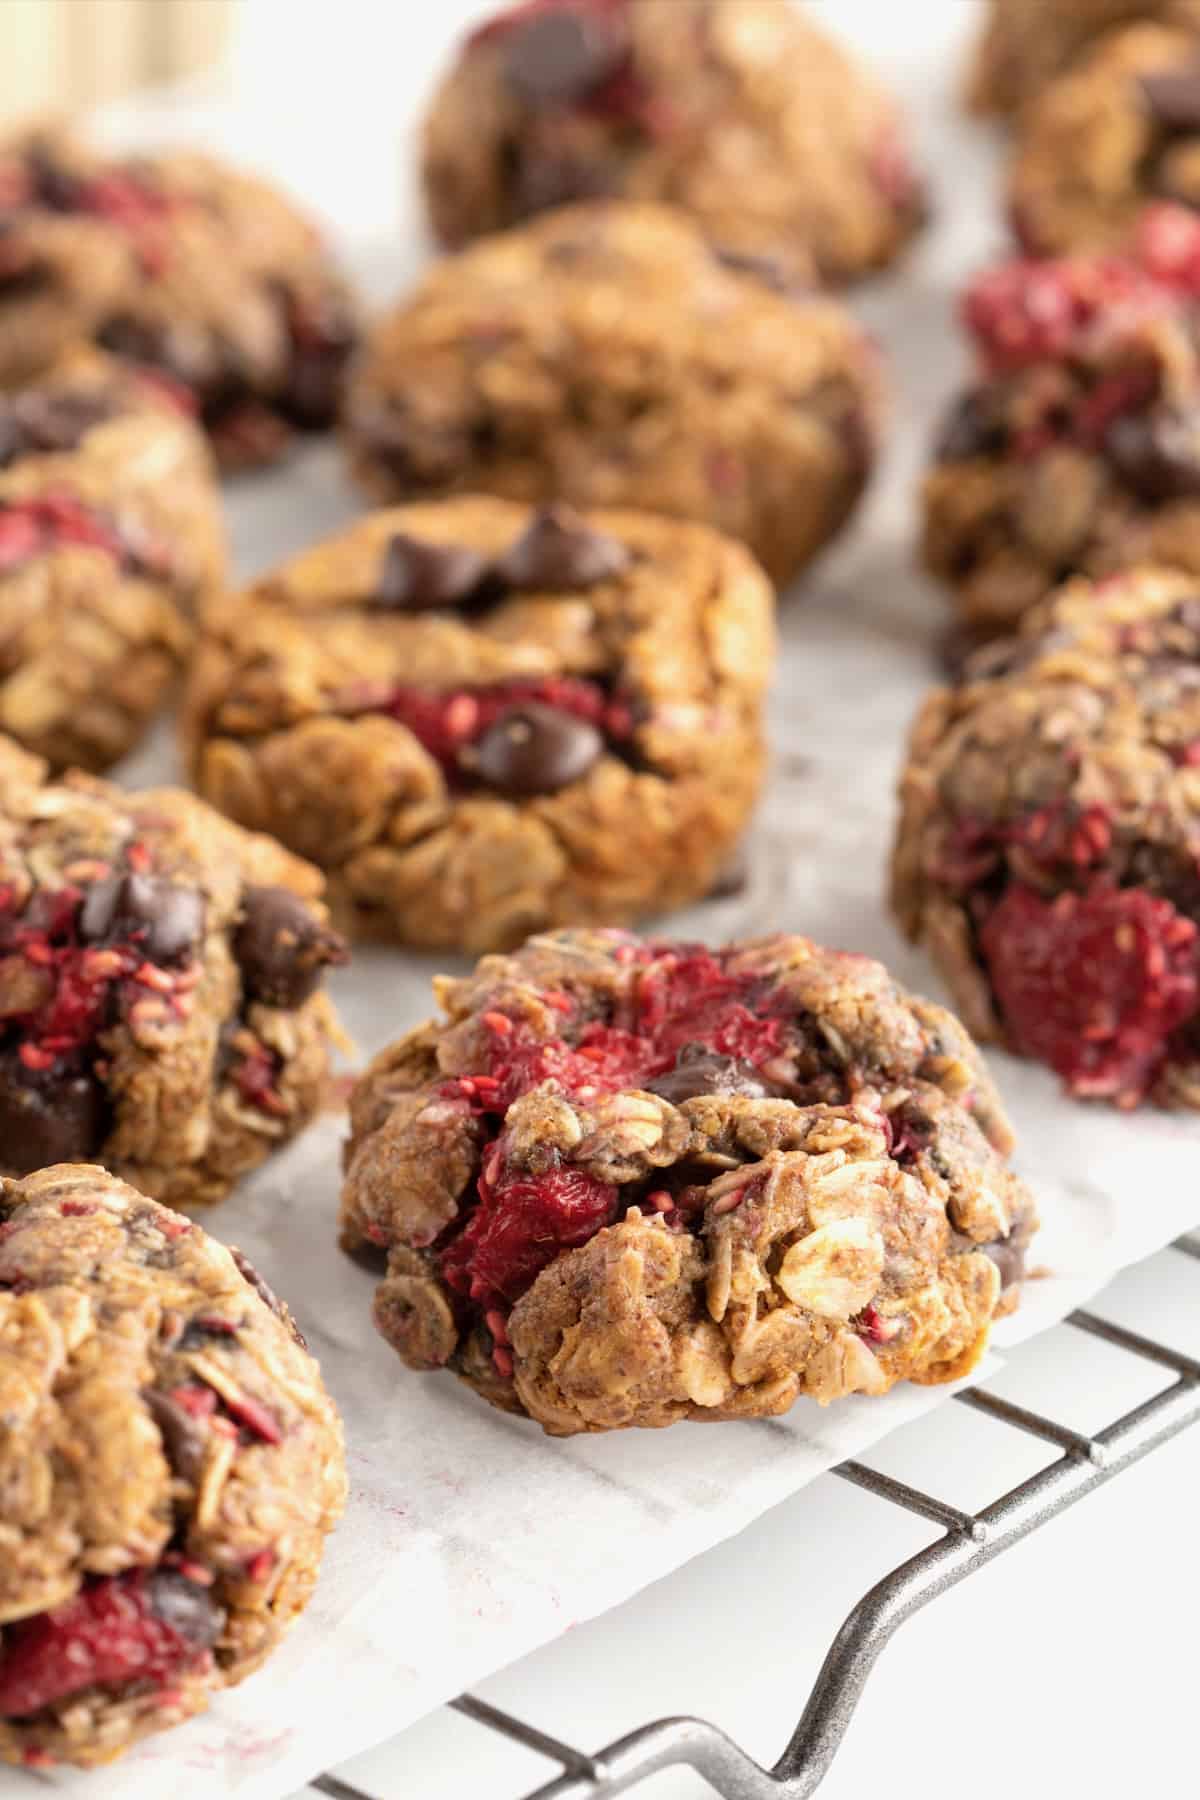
point(1008, 1257)
point(971, 428)
point(1156, 454)
point(699, 1070)
point(186, 1607)
point(557, 550)
point(184, 1439)
point(267, 1295)
point(417, 575)
point(164, 920)
point(52, 420)
point(283, 947)
point(1173, 97)
point(772, 271)
point(533, 749)
point(53, 186)
point(561, 56)
point(48, 1118)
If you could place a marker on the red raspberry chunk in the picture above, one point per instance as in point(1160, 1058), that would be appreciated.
point(109, 1633)
point(519, 1227)
point(1025, 312)
point(444, 722)
point(1094, 984)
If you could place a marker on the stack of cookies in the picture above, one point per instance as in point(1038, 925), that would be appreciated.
point(515, 711)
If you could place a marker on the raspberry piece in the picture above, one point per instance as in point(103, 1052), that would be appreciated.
point(133, 1627)
point(1094, 984)
point(1167, 245)
point(519, 1227)
point(1026, 312)
point(31, 528)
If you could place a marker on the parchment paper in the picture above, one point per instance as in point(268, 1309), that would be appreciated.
point(471, 1538)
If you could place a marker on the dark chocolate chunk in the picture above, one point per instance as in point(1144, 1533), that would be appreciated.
point(417, 575)
point(533, 749)
point(773, 272)
point(53, 185)
point(972, 427)
point(1156, 454)
point(557, 551)
point(545, 177)
point(1173, 97)
point(699, 1070)
point(184, 1437)
point(1009, 1258)
point(48, 1117)
point(57, 420)
point(561, 56)
point(186, 1606)
point(164, 920)
point(283, 947)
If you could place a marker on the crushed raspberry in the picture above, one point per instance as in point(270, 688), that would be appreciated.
point(445, 722)
point(519, 1227)
point(1059, 838)
point(1166, 243)
point(890, 166)
point(256, 1077)
point(30, 528)
point(1094, 984)
point(1026, 312)
point(108, 1634)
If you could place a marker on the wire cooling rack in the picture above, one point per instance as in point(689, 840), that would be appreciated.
point(1085, 1463)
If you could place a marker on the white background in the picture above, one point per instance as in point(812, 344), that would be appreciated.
point(1065, 1667)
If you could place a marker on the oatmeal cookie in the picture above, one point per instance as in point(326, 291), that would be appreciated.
point(170, 1465)
point(627, 1182)
point(1048, 854)
point(1119, 133)
point(198, 270)
point(482, 719)
point(606, 356)
point(1075, 448)
point(159, 977)
point(742, 113)
point(110, 536)
point(1027, 43)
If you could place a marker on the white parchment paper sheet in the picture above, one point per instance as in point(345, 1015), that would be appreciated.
point(471, 1538)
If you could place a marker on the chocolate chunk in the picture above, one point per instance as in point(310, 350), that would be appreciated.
point(699, 1070)
point(53, 185)
point(772, 271)
point(972, 427)
point(1156, 454)
point(267, 1295)
point(417, 575)
point(52, 420)
point(544, 178)
point(48, 1118)
point(533, 749)
point(164, 920)
point(283, 947)
point(558, 551)
point(1173, 97)
point(184, 1437)
point(561, 56)
point(186, 1606)
point(1008, 1257)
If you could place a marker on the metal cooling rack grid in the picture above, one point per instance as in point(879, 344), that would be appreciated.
point(971, 1539)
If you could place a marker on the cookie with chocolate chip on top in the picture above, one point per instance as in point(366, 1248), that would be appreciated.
point(160, 985)
point(742, 113)
point(627, 1182)
point(482, 718)
point(186, 265)
point(111, 537)
point(610, 355)
point(170, 1466)
point(1048, 853)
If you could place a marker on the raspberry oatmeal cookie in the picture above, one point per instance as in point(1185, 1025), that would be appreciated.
point(1048, 855)
point(1120, 132)
point(159, 976)
point(483, 720)
point(607, 356)
point(110, 535)
point(1026, 43)
point(170, 1465)
point(627, 1182)
point(1076, 447)
point(740, 112)
point(195, 269)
